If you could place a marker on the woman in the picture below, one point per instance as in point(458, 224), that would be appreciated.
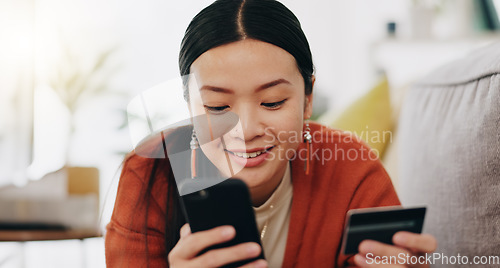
point(252, 59)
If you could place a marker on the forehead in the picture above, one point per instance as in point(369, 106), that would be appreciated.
point(243, 61)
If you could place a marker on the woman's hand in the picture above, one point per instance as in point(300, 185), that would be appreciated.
point(185, 252)
point(409, 250)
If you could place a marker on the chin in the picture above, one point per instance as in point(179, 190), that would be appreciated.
point(253, 178)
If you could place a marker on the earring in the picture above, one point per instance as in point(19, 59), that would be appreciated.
point(194, 145)
point(308, 141)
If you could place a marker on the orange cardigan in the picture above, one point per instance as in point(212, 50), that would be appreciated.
point(349, 179)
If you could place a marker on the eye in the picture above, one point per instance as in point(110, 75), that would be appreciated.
point(273, 105)
point(216, 109)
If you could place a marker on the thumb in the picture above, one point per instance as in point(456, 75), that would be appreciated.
point(185, 230)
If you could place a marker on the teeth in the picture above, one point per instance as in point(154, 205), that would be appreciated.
point(249, 155)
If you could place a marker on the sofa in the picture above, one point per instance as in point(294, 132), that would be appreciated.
point(449, 155)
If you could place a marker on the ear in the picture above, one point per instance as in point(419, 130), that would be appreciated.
point(308, 108)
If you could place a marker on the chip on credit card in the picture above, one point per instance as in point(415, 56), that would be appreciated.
point(379, 224)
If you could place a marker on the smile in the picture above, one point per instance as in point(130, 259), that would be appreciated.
point(250, 155)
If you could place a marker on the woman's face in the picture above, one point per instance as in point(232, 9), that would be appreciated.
point(261, 84)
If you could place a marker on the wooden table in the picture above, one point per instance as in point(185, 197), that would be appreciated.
point(43, 235)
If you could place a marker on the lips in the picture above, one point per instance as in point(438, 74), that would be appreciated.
point(251, 153)
point(250, 158)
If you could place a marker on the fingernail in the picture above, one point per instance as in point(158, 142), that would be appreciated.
point(359, 259)
point(253, 249)
point(400, 239)
point(260, 264)
point(227, 232)
point(183, 232)
point(366, 246)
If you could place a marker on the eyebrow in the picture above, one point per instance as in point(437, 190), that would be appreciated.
point(261, 87)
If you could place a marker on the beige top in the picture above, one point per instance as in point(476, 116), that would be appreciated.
point(275, 213)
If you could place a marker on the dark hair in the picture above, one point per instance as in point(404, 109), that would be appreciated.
point(227, 21)
point(223, 22)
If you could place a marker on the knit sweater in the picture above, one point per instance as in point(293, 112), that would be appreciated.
point(344, 174)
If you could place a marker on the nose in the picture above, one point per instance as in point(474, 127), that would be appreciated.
point(250, 124)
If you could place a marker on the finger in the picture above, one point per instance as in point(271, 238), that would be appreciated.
point(189, 246)
point(421, 243)
point(363, 262)
point(260, 263)
point(360, 261)
point(375, 248)
point(223, 256)
point(185, 230)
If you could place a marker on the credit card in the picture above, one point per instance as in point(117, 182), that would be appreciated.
point(379, 224)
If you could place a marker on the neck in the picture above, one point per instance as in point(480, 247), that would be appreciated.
point(261, 194)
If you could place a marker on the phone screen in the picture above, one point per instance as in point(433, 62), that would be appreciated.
point(225, 203)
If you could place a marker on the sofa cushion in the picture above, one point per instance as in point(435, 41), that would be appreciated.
point(450, 153)
point(369, 118)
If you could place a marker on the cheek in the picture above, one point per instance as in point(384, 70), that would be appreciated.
point(216, 156)
point(287, 128)
point(288, 137)
point(290, 119)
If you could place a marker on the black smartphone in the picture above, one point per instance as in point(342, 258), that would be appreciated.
point(379, 224)
point(225, 203)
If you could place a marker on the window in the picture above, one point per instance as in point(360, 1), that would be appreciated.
point(16, 89)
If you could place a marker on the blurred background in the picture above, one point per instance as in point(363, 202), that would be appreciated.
point(68, 70)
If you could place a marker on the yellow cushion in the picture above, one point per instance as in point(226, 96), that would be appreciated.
point(369, 118)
